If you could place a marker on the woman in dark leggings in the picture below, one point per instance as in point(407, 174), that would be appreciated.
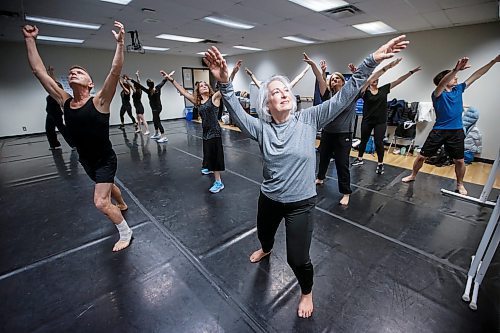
point(286, 138)
point(336, 136)
point(154, 93)
point(375, 113)
point(126, 106)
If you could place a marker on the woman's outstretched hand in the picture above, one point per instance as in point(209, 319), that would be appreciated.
point(389, 49)
point(217, 64)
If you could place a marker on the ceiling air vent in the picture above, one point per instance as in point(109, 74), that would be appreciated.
point(343, 12)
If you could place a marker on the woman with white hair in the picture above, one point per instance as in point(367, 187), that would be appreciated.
point(287, 138)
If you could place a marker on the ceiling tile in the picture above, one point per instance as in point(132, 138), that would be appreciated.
point(472, 14)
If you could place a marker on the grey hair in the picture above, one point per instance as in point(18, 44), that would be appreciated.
point(262, 109)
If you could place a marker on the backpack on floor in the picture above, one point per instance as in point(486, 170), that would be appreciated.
point(441, 158)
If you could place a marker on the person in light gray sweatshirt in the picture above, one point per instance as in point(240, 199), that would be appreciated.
point(286, 138)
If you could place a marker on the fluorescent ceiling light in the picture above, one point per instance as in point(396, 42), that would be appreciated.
point(180, 38)
point(64, 23)
point(203, 54)
point(154, 48)
point(247, 48)
point(320, 5)
point(120, 2)
point(60, 39)
point(227, 23)
point(374, 28)
point(299, 39)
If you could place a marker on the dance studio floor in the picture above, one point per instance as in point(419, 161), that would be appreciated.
point(395, 260)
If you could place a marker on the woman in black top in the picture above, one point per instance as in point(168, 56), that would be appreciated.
point(139, 108)
point(126, 106)
point(375, 113)
point(154, 94)
point(208, 104)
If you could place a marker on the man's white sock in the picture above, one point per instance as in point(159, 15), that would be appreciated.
point(124, 230)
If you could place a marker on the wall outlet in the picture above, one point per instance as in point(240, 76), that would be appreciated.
point(24, 128)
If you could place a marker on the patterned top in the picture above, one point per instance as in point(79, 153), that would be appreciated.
point(210, 124)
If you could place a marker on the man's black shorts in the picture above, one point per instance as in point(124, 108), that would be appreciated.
point(103, 170)
point(453, 141)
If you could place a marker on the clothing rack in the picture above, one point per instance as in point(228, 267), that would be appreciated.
point(490, 240)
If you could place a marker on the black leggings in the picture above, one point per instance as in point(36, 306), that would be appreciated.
point(157, 121)
point(128, 110)
point(299, 228)
point(378, 136)
point(340, 145)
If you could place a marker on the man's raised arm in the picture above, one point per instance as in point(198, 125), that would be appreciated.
point(49, 84)
point(105, 95)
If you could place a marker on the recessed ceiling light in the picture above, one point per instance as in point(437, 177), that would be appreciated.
point(247, 48)
point(154, 48)
point(151, 20)
point(227, 22)
point(120, 2)
point(299, 39)
point(60, 39)
point(203, 54)
point(320, 5)
point(374, 28)
point(180, 38)
point(64, 23)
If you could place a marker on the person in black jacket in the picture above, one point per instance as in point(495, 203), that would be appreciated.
point(54, 119)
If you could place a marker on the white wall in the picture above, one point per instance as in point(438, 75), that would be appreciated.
point(434, 50)
point(23, 99)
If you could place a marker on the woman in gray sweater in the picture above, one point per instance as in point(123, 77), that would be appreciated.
point(286, 138)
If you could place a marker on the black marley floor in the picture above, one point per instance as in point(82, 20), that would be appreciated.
point(395, 260)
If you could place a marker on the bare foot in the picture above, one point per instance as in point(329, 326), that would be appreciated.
point(319, 182)
point(258, 255)
point(461, 189)
point(345, 200)
point(123, 207)
point(123, 243)
point(408, 179)
point(305, 309)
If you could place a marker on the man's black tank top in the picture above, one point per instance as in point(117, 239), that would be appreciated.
point(89, 129)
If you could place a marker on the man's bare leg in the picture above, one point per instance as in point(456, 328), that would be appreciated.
point(116, 194)
point(102, 201)
point(306, 307)
point(417, 165)
point(258, 255)
point(460, 173)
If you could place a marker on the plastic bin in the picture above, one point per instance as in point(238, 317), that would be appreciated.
point(188, 111)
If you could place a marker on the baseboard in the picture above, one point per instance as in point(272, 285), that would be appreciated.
point(110, 126)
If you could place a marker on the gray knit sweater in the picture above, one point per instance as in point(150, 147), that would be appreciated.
point(288, 149)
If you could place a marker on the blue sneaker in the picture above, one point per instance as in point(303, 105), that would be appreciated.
point(206, 172)
point(216, 187)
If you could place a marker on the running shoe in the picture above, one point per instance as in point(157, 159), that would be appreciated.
point(357, 161)
point(217, 187)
